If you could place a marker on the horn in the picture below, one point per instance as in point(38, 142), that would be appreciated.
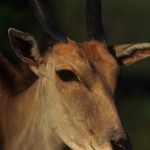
point(94, 20)
point(46, 21)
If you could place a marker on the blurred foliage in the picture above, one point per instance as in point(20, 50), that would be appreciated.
point(125, 22)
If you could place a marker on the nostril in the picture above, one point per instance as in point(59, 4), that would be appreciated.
point(121, 145)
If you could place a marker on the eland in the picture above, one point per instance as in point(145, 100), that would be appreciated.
point(66, 100)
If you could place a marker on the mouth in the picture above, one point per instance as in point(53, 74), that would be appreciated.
point(67, 148)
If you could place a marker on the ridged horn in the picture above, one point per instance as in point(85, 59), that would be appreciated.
point(94, 23)
point(46, 21)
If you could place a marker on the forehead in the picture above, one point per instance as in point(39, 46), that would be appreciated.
point(89, 52)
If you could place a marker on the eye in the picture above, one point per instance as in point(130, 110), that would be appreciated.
point(67, 75)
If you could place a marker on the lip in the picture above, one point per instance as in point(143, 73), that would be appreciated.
point(67, 148)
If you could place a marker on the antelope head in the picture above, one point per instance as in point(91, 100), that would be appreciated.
point(77, 81)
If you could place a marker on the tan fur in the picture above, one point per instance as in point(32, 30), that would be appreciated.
point(50, 114)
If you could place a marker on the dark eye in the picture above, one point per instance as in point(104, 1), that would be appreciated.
point(67, 75)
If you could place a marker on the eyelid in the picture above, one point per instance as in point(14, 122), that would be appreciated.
point(64, 68)
point(68, 66)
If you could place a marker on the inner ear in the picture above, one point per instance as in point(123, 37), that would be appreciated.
point(130, 53)
point(22, 47)
point(25, 46)
point(21, 44)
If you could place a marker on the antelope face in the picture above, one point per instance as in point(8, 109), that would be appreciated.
point(85, 77)
point(78, 80)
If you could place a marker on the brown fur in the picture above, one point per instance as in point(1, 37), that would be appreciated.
point(15, 78)
point(92, 54)
point(40, 110)
point(51, 110)
point(29, 105)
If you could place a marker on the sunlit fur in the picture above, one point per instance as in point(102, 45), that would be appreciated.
point(50, 114)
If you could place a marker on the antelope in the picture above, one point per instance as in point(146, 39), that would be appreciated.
point(68, 100)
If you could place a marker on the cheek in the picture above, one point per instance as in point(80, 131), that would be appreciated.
point(85, 111)
point(82, 107)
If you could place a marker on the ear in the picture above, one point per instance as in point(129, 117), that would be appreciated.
point(130, 53)
point(25, 46)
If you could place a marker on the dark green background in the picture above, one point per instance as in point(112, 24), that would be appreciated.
point(125, 22)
